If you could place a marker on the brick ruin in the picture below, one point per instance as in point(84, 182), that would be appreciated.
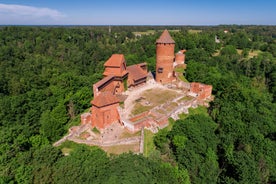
point(108, 92)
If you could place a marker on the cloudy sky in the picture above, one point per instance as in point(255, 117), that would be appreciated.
point(137, 12)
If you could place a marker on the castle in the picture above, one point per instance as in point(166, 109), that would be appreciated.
point(108, 92)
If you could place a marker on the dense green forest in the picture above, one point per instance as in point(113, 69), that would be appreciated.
point(46, 74)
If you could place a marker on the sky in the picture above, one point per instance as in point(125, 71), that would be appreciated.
point(137, 12)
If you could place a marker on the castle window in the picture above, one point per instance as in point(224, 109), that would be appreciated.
point(160, 70)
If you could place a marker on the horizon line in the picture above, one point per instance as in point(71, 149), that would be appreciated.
point(98, 25)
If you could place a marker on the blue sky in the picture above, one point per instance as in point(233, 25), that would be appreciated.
point(137, 12)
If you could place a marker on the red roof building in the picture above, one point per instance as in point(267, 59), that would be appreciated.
point(104, 110)
point(115, 65)
point(137, 74)
point(106, 84)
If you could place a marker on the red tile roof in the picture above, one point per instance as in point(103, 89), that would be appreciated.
point(115, 60)
point(142, 64)
point(165, 38)
point(104, 81)
point(104, 99)
point(136, 72)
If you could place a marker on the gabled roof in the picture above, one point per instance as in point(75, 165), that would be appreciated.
point(165, 38)
point(142, 64)
point(104, 81)
point(115, 60)
point(104, 99)
point(136, 72)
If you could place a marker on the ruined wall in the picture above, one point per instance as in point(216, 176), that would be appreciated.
point(203, 91)
point(86, 118)
point(179, 58)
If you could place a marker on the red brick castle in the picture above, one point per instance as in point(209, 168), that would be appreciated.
point(118, 76)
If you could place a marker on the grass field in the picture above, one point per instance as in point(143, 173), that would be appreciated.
point(192, 111)
point(68, 146)
point(122, 149)
point(148, 143)
point(251, 54)
point(153, 96)
point(194, 31)
point(148, 32)
point(139, 108)
point(127, 134)
point(254, 53)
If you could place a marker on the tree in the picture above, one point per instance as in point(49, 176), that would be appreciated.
point(194, 145)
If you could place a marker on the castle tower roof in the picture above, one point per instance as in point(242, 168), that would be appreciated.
point(165, 37)
point(116, 60)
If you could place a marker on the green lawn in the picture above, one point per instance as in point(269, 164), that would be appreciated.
point(148, 142)
point(194, 31)
point(192, 111)
point(139, 108)
point(67, 147)
point(119, 149)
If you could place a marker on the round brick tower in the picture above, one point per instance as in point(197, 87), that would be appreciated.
point(165, 58)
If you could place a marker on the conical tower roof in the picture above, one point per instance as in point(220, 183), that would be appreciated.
point(165, 37)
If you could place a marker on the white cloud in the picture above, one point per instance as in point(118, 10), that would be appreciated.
point(16, 13)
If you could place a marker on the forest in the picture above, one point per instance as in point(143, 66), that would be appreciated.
point(46, 77)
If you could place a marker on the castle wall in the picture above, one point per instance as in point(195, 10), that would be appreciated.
point(119, 86)
point(179, 58)
point(86, 118)
point(104, 116)
point(203, 91)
